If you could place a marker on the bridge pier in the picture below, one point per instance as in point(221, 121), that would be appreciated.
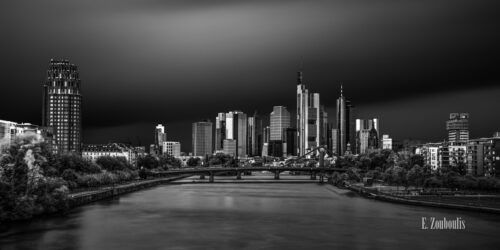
point(277, 175)
point(313, 176)
point(238, 175)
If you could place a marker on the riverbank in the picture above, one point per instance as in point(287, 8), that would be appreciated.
point(82, 198)
point(448, 201)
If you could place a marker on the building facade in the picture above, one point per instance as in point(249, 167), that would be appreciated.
point(220, 131)
point(345, 124)
point(255, 138)
point(172, 148)
point(62, 105)
point(458, 127)
point(160, 135)
point(279, 122)
point(290, 142)
point(92, 152)
point(310, 119)
point(369, 138)
point(10, 131)
point(386, 142)
point(202, 138)
point(483, 156)
point(231, 147)
point(236, 129)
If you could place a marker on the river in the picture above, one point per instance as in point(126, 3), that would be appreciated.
point(250, 216)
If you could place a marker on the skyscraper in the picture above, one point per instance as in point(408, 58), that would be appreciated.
point(458, 127)
point(370, 138)
point(254, 140)
point(62, 102)
point(280, 121)
point(236, 129)
point(202, 138)
point(160, 135)
point(345, 124)
point(220, 131)
point(310, 115)
point(290, 142)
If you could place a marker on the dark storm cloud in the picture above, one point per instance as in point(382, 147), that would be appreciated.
point(150, 61)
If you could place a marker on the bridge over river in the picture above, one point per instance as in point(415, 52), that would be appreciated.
point(321, 172)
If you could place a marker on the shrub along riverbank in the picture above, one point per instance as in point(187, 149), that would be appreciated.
point(34, 181)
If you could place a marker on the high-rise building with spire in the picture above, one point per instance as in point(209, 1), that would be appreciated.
point(62, 105)
point(310, 116)
point(345, 123)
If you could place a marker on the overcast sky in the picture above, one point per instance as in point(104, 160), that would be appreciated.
point(144, 62)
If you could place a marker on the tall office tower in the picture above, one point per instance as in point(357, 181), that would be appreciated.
point(160, 138)
point(267, 134)
point(202, 138)
point(280, 121)
point(160, 135)
point(363, 138)
point(255, 139)
point(250, 135)
point(266, 139)
point(290, 142)
point(345, 124)
point(309, 118)
point(458, 127)
point(329, 140)
point(324, 127)
point(236, 129)
point(62, 103)
point(230, 147)
point(372, 129)
point(335, 137)
point(220, 131)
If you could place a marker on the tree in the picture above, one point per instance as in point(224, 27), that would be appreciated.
point(148, 162)
point(193, 161)
point(113, 163)
point(25, 190)
point(416, 176)
point(168, 161)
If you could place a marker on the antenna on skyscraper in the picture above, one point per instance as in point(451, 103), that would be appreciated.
point(341, 90)
point(299, 73)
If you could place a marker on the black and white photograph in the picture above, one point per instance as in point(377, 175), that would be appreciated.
point(249, 124)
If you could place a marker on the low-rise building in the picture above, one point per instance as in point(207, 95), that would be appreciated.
point(172, 148)
point(10, 131)
point(483, 156)
point(386, 142)
point(92, 152)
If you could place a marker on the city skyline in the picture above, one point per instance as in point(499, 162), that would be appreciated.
point(389, 75)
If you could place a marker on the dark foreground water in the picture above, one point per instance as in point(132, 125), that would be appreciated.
point(250, 216)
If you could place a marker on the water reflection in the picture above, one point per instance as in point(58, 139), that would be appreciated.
point(249, 216)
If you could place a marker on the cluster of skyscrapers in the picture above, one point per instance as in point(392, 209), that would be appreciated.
point(240, 135)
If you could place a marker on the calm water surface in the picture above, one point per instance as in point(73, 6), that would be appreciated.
point(250, 216)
